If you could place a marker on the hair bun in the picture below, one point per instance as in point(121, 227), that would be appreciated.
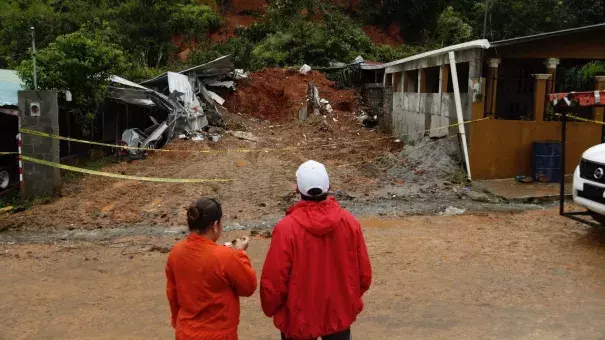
point(193, 213)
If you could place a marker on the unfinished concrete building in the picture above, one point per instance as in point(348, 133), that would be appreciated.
point(507, 81)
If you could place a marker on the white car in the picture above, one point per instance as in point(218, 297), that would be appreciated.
point(589, 182)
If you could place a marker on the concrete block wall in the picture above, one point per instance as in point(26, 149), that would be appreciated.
point(415, 111)
point(40, 180)
point(379, 100)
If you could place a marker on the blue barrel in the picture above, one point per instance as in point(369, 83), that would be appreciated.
point(547, 161)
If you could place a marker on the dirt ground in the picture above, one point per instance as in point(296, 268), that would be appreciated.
point(263, 182)
point(89, 264)
point(371, 172)
point(531, 275)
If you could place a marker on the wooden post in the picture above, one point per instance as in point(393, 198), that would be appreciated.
point(68, 133)
point(459, 114)
point(492, 85)
point(445, 77)
point(395, 81)
point(540, 96)
point(422, 80)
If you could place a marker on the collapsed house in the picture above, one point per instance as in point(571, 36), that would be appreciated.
point(176, 104)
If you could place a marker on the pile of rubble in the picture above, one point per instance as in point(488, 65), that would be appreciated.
point(279, 95)
point(190, 98)
point(196, 100)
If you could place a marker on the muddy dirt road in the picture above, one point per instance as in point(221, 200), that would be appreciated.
point(529, 275)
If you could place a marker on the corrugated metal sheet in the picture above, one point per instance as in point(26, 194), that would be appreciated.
point(10, 84)
point(217, 67)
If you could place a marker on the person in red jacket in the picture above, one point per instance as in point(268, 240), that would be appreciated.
point(205, 280)
point(317, 268)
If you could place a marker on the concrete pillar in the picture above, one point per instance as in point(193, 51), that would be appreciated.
point(386, 121)
point(599, 86)
point(540, 96)
point(406, 81)
point(492, 85)
point(40, 180)
point(551, 68)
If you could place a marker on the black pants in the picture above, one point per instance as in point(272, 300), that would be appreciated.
point(344, 335)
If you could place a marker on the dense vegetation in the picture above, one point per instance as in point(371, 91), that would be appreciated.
point(80, 42)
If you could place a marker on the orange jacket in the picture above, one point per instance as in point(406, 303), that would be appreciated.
point(204, 283)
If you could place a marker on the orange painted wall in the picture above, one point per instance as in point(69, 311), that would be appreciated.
point(503, 148)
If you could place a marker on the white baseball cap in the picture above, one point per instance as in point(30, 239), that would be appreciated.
point(312, 175)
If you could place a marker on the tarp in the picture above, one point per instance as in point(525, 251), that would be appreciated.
point(10, 85)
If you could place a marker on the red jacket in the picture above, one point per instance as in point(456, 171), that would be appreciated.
point(316, 271)
point(204, 283)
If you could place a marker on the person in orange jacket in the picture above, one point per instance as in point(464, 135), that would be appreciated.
point(317, 268)
point(205, 280)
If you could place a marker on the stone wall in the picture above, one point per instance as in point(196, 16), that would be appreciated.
point(40, 180)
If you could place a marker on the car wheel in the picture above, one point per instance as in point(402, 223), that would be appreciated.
point(598, 217)
point(5, 179)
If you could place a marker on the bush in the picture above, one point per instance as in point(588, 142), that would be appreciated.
point(300, 40)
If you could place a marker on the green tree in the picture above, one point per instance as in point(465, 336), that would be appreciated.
point(452, 28)
point(513, 18)
point(78, 62)
point(147, 27)
point(16, 18)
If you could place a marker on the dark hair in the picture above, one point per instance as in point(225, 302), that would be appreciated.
point(203, 213)
point(314, 194)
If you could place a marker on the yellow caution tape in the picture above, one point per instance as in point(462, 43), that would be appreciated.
point(8, 153)
point(48, 135)
point(580, 119)
point(111, 175)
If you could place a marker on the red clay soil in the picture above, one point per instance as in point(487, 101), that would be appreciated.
point(390, 36)
point(231, 22)
point(240, 6)
point(238, 15)
point(278, 94)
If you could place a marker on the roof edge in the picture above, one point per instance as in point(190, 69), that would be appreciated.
point(482, 43)
point(545, 35)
